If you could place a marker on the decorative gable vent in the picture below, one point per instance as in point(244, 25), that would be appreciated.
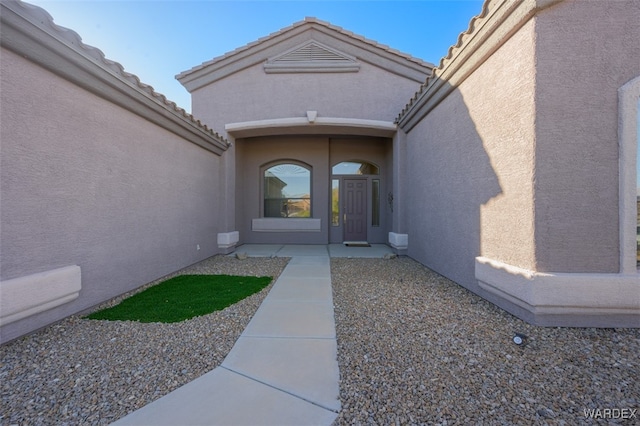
point(311, 56)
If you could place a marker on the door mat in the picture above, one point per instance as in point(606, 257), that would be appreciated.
point(357, 244)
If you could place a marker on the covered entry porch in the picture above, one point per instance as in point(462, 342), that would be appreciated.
point(313, 181)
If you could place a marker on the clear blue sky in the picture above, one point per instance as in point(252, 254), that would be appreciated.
point(156, 40)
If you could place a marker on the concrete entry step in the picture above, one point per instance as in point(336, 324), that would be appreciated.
point(293, 250)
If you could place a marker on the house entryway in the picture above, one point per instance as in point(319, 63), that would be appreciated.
point(355, 210)
point(313, 189)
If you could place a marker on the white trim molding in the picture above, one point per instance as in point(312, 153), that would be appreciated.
point(311, 124)
point(32, 294)
point(562, 299)
point(628, 111)
point(276, 224)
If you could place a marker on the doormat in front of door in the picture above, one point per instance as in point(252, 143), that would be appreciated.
point(357, 244)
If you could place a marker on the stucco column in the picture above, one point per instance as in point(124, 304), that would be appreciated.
point(228, 235)
point(398, 237)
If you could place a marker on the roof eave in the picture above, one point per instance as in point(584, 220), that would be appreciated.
point(264, 48)
point(30, 31)
point(497, 22)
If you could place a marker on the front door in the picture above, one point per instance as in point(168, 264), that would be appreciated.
point(355, 210)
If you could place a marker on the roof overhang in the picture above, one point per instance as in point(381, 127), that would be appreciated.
point(266, 49)
point(30, 31)
point(312, 125)
point(487, 32)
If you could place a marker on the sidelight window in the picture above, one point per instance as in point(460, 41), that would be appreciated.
point(335, 202)
point(375, 202)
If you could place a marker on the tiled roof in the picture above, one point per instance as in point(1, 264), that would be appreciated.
point(444, 61)
point(69, 37)
point(307, 21)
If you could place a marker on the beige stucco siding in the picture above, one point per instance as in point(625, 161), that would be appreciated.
point(87, 183)
point(376, 91)
point(586, 50)
point(254, 155)
point(318, 154)
point(471, 159)
point(371, 93)
point(500, 101)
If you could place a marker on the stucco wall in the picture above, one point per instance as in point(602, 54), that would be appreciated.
point(251, 94)
point(470, 168)
point(253, 153)
point(318, 152)
point(87, 183)
point(586, 51)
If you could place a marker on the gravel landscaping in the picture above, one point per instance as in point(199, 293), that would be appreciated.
point(94, 372)
point(413, 348)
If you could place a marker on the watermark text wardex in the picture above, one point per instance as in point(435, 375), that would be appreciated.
point(610, 413)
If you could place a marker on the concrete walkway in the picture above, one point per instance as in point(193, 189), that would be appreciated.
point(283, 370)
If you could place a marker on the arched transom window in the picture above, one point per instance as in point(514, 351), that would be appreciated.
point(287, 191)
point(355, 168)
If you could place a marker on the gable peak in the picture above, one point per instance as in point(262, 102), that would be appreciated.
point(311, 56)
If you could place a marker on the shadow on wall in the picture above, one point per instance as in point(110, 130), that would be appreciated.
point(450, 177)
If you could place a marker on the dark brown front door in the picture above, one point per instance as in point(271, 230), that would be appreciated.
point(355, 210)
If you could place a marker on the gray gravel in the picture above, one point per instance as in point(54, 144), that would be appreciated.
point(415, 348)
point(94, 372)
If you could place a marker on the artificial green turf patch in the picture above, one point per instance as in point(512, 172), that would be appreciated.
point(183, 297)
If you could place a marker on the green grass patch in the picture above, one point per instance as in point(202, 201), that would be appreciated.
point(183, 297)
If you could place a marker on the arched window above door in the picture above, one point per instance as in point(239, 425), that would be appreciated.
point(355, 167)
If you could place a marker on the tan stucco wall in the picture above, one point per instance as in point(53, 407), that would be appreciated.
point(251, 94)
point(519, 161)
point(548, 95)
point(471, 159)
point(88, 183)
point(586, 50)
point(500, 100)
point(252, 154)
point(319, 153)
